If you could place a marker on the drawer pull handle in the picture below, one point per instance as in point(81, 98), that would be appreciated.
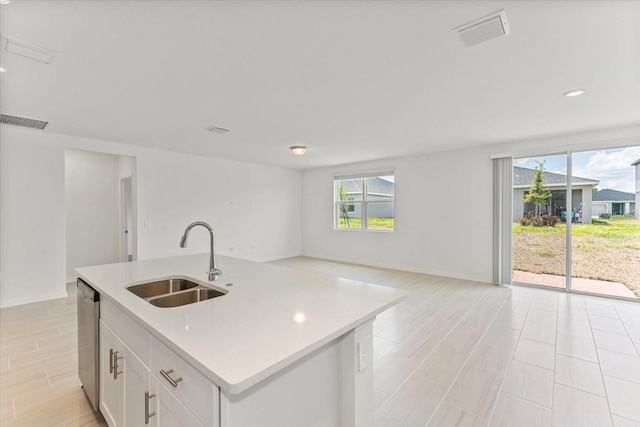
point(115, 358)
point(147, 415)
point(111, 361)
point(167, 377)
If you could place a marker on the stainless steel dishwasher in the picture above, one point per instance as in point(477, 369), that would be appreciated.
point(89, 342)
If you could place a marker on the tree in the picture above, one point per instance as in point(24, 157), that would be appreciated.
point(538, 193)
point(344, 208)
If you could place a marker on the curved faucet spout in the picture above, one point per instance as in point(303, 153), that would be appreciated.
point(213, 271)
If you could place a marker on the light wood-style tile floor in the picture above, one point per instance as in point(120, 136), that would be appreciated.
point(462, 353)
point(454, 353)
point(39, 383)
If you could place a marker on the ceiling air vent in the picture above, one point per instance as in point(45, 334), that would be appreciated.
point(29, 50)
point(216, 129)
point(22, 121)
point(483, 29)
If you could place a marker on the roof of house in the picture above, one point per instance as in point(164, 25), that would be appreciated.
point(524, 177)
point(375, 185)
point(609, 195)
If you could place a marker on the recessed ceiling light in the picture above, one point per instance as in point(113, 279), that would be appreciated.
point(576, 92)
point(5, 1)
point(2, 70)
point(298, 150)
point(299, 317)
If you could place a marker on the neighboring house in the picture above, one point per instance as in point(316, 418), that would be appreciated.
point(557, 184)
point(613, 202)
point(378, 189)
point(637, 165)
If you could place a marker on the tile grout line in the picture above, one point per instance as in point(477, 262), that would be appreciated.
point(467, 361)
point(604, 386)
point(499, 392)
point(431, 352)
point(626, 328)
point(439, 343)
point(419, 305)
point(555, 356)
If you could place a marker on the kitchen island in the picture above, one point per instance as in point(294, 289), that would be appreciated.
point(281, 347)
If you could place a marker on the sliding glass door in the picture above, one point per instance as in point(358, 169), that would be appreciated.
point(539, 231)
point(605, 240)
point(575, 224)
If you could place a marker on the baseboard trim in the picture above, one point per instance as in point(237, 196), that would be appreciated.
point(400, 267)
point(269, 259)
point(31, 300)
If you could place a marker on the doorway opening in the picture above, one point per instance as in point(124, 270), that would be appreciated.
point(101, 206)
point(126, 220)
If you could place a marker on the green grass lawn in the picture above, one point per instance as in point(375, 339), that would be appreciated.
point(372, 223)
point(615, 228)
point(604, 250)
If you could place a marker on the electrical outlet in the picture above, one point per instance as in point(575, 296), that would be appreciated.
point(364, 355)
point(231, 250)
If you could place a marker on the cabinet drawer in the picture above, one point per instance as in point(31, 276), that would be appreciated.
point(195, 391)
point(129, 331)
point(171, 412)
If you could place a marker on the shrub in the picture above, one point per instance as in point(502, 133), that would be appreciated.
point(539, 220)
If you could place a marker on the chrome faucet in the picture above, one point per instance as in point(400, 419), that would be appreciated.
point(213, 271)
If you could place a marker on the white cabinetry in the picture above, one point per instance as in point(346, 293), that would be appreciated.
point(111, 390)
point(124, 381)
point(170, 411)
point(196, 392)
point(171, 393)
point(137, 382)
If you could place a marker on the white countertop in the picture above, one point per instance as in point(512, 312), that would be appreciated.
point(249, 334)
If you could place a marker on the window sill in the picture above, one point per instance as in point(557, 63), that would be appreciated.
point(371, 230)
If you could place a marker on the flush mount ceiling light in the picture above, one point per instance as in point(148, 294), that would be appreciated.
point(573, 93)
point(298, 150)
point(217, 129)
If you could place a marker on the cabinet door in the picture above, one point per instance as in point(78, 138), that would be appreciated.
point(170, 411)
point(136, 384)
point(111, 390)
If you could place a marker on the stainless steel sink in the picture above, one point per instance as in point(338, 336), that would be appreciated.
point(161, 287)
point(174, 292)
point(187, 297)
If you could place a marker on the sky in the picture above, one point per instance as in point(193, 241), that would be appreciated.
point(611, 167)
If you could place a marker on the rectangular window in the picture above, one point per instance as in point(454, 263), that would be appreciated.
point(365, 201)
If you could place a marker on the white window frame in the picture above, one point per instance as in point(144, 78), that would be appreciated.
point(363, 203)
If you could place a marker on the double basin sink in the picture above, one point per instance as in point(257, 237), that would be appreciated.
point(174, 292)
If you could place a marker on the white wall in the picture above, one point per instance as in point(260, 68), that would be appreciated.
point(253, 209)
point(443, 207)
point(442, 216)
point(92, 190)
point(32, 227)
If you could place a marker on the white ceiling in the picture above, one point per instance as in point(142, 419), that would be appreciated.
point(352, 80)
